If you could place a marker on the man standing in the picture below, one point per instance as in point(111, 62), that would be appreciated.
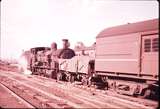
point(66, 52)
point(52, 54)
point(53, 60)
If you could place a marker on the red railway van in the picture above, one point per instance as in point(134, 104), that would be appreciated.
point(129, 50)
point(127, 58)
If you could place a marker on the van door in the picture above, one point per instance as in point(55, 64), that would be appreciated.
point(150, 48)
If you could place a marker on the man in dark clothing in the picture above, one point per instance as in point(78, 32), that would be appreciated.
point(66, 52)
point(52, 53)
point(53, 60)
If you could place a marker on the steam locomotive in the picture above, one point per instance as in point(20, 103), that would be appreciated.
point(126, 61)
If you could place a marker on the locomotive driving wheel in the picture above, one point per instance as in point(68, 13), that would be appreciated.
point(84, 80)
point(69, 77)
point(59, 76)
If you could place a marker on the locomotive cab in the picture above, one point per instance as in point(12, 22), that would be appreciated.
point(38, 59)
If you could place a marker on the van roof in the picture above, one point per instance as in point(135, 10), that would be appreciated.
point(142, 26)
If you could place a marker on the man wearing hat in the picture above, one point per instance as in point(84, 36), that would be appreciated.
point(52, 54)
point(66, 52)
point(53, 60)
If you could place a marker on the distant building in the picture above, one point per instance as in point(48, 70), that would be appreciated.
point(87, 51)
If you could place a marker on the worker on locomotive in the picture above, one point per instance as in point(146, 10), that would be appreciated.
point(66, 52)
point(53, 60)
point(49, 53)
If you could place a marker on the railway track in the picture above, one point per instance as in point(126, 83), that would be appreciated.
point(15, 99)
point(113, 94)
point(69, 99)
point(110, 93)
point(44, 92)
point(32, 95)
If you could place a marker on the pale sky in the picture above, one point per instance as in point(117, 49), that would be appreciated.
point(31, 23)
